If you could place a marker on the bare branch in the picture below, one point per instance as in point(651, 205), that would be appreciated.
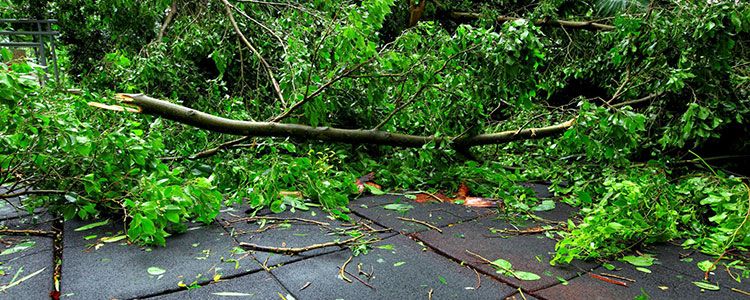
point(32, 192)
point(265, 64)
point(167, 20)
point(590, 25)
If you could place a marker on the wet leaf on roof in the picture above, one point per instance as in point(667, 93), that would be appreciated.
point(92, 225)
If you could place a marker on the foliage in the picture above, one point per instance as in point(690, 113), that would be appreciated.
point(671, 80)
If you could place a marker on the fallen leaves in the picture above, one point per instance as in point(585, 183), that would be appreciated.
point(367, 181)
point(706, 286)
point(399, 207)
point(92, 225)
point(480, 202)
point(639, 261)
point(15, 282)
point(155, 271)
point(18, 248)
point(504, 267)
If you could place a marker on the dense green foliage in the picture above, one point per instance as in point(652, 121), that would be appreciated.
point(631, 166)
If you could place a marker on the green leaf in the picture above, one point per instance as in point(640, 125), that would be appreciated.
point(706, 266)
point(502, 264)
point(172, 216)
point(526, 276)
point(398, 207)
point(92, 225)
point(148, 226)
point(706, 286)
point(644, 270)
point(112, 239)
point(374, 190)
point(19, 247)
point(639, 261)
point(156, 271)
point(386, 247)
point(545, 206)
point(398, 264)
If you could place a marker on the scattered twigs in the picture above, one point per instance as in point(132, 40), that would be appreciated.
point(636, 101)
point(251, 219)
point(479, 257)
point(283, 4)
point(530, 230)
point(358, 279)
point(429, 295)
point(26, 232)
point(211, 151)
point(590, 25)
point(273, 33)
point(617, 276)
point(741, 291)
point(479, 278)
point(433, 227)
point(298, 250)
point(255, 51)
point(342, 269)
point(619, 91)
point(538, 218)
point(32, 192)
point(608, 280)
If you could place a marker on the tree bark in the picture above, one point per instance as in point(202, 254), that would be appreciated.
point(541, 22)
point(195, 118)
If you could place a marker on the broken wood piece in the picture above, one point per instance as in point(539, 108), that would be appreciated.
point(298, 250)
point(608, 280)
point(26, 232)
point(617, 276)
point(433, 227)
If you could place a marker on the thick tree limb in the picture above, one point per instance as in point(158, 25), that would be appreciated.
point(590, 25)
point(213, 123)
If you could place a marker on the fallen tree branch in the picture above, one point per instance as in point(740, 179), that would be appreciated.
point(590, 25)
point(213, 123)
point(295, 251)
point(32, 192)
